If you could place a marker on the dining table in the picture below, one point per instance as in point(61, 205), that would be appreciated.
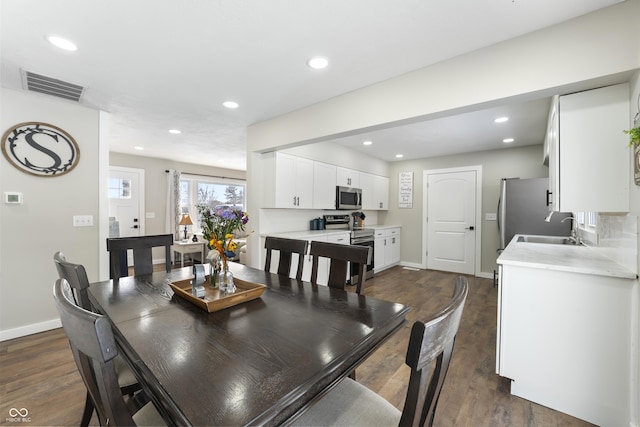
point(260, 362)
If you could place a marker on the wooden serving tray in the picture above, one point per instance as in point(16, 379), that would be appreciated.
point(213, 300)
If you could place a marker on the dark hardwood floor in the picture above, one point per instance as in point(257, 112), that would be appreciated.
point(38, 373)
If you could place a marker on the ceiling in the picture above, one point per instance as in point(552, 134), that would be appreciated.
point(156, 65)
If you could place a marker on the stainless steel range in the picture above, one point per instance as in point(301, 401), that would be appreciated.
point(359, 236)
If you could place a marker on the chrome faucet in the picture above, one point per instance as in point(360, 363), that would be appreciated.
point(574, 231)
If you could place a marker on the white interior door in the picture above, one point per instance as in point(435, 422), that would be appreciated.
point(451, 221)
point(126, 202)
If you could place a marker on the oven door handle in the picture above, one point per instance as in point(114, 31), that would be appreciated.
point(362, 240)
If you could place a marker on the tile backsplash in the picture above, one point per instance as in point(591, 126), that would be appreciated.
point(617, 238)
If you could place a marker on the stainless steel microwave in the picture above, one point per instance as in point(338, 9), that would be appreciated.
point(348, 198)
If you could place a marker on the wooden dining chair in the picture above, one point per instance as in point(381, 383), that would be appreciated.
point(339, 258)
point(428, 355)
point(76, 277)
point(94, 351)
point(142, 254)
point(286, 248)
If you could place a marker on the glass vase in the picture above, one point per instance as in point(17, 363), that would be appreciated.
point(214, 271)
point(225, 279)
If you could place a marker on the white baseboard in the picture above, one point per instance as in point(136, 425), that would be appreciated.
point(34, 328)
point(412, 265)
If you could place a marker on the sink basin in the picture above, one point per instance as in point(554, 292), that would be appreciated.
point(549, 240)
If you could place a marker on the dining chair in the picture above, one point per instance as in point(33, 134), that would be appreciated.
point(76, 277)
point(286, 247)
point(142, 254)
point(339, 258)
point(94, 351)
point(428, 355)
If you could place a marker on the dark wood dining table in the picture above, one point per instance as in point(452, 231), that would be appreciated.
point(257, 363)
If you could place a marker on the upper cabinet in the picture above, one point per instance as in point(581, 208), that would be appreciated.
point(375, 191)
point(289, 180)
point(324, 186)
point(588, 154)
point(348, 177)
point(298, 183)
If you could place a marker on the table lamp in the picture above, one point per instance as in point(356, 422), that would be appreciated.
point(186, 220)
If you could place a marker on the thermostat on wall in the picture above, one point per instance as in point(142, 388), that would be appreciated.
point(12, 198)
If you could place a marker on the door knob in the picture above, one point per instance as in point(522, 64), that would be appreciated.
point(470, 228)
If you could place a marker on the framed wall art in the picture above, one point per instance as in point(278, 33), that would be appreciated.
point(40, 149)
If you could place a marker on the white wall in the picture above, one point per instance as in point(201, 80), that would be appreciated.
point(34, 231)
point(634, 206)
point(603, 46)
point(599, 44)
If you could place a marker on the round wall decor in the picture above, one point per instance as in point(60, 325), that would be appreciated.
point(40, 149)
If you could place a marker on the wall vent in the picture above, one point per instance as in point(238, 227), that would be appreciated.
point(50, 86)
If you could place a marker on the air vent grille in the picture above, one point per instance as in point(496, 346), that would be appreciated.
point(50, 86)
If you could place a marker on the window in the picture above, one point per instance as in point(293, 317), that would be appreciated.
point(119, 188)
point(216, 193)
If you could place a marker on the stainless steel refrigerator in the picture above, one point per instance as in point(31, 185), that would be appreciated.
point(522, 209)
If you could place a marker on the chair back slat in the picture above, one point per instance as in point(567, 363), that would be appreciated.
point(142, 254)
point(429, 354)
point(94, 349)
point(339, 257)
point(76, 276)
point(286, 248)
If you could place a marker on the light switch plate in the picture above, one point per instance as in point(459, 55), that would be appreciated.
point(489, 216)
point(83, 220)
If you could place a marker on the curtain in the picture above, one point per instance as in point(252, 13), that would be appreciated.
point(173, 203)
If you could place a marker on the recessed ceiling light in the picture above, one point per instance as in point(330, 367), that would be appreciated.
point(62, 43)
point(501, 119)
point(399, 156)
point(367, 143)
point(175, 131)
point(139, 148)
point(318, 62)
point(508, 140)
point(230, 104)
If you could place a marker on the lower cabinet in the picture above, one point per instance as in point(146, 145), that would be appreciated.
point(565, 341)
point(386, 248)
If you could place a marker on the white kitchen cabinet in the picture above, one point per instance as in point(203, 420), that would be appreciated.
point(347, 177)
point(565, 341)
point(588, 158)
point(386, 251)
point(366, 184)
point(288, 181)
point(324, 186)
point(375, 191)
point(380, 192)
point(378, 251)
point(392, 249)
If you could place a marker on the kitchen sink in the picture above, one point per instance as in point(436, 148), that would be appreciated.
point(549, 240)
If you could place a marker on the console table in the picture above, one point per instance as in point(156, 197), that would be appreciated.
point(187, 248)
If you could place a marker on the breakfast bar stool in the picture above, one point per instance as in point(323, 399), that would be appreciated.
point(286, 247)
point(76, 277)
point(340, 256)
point(142, 254)
point(94, 351)
point(429, 353)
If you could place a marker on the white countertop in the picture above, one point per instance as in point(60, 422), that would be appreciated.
point(310, 234)
point(571, 258)
point(383, 227)
point(307, 234)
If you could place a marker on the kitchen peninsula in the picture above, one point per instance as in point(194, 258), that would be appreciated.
point(566, 336)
